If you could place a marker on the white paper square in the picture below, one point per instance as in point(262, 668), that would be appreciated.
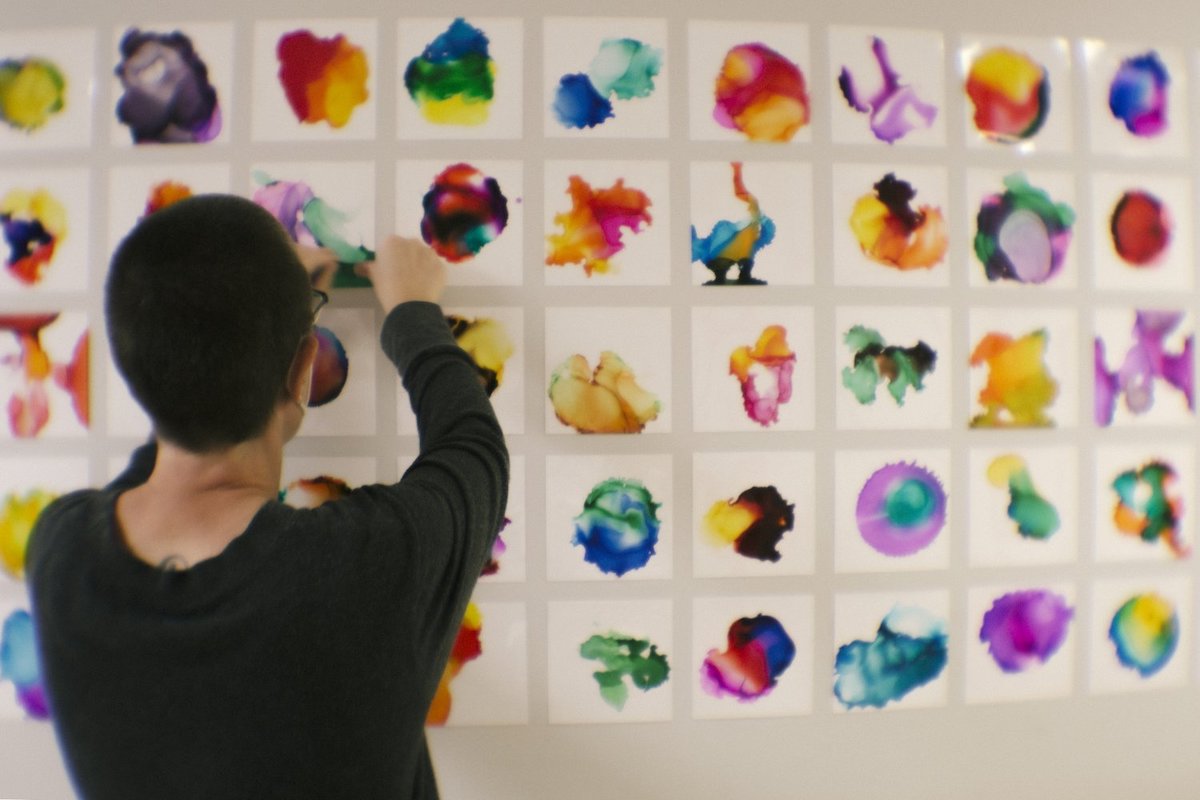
point(574, 694)
point(68, 267)
point(1110, 461)
point(129, 188)
point(351, 413)
point(569, 481)
point(792, 694)
point(570, 45)
point(1107, 674)
point(641, 337)
point(1107, 133)
point(645, 257)
point(59, 340)
point(73, 52)
point(1172, 270)
point(272, 118)
point(721, 477)
point(493, 689)
point(784, 193)
point(1114, 327)
point(501, 261)
point(506, 48)
point(852, 267)
point(918, 59)
point(899, 327)
point(717, 331)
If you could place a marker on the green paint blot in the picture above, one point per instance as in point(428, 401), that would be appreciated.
point(625, 657)
point(909, 504)
point(626, 68)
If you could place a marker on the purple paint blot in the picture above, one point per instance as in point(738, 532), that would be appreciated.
point(1024, 629)
point(1146, 361)
point(894, 110)
point(901, 509)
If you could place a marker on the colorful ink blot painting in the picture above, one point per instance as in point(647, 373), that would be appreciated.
point(751, 223)
point(608, 370)
point(611, 661)
point(892, 650)
point(1024, 370)
point(486, 681)
point(890, 86)
point(891, 510)
point(22, 690)
point(44, 221)
point(1020, 642)
point(1141, 634)
point(605, 77)
point(607, 223)
point(1144, 370)
point(1138, 99)
point(461, 77)
point(1141, 238)
point(890, 226)
point(752, 368)
point(1023, 229)
point(27, 486)
point(893, 367)
point(1145, 502)
point(314, 80)
point(47, 84)
point(172, 84)
point(1023, 505)
point(752, 514)
point(136, 190)
point(752, 655)
point(346, 375)
point(1017, 92)
point(44, 374)
point(470, 212)
point(609, 518)
point(749, 82)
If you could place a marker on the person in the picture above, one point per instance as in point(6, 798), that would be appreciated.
point(198, 638)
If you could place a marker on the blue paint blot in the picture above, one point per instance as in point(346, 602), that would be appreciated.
point(908, 651)
point(618, 527)
point(19, 663)
point(460, 40)
point(577, 104)
point(1138, 94)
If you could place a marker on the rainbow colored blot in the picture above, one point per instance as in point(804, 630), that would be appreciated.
point(453, 80)
point(464, 211)
point(758, 651)
point(314, 492)
point(487, 343)
point(1024, 629)
point(1019, 388)
point(331, 369)
point(1150, 506)
point(892, 233)
point(1145, 633)
point(624, 69)
point(901, 509)
point(1035, 516)
point(618, 527)
point(625, 657)
point(1146, 363)
point(29, 407)
point(165, 193)
point(1141, 229)
point(34, 223)
point(607, 400)
point(1011, 94)
point(467, 647)
point(591, 232)
point(735, 243)
point(761, 94)
point(166, 94)
point(753, 523)
point(1021, 234)
point(19, 663)
point(894, 110)
point(875, 361)
point(765, 374)
point(909, 650)
point(1137, 96)
point(32, 90)
point(324, 79)
point(18, 513)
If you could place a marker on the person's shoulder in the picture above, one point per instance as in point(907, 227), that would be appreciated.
point(62, 520)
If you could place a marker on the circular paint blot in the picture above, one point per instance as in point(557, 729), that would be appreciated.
point(1138, 94)
point(1024, 629)
point(618, 527)
point(330, 370)
point(1011, 94)
point(761, 93)
point(464, 211)
point(901, 509)
point(1021, 234)
point(1145, 632)
point(1141, 228)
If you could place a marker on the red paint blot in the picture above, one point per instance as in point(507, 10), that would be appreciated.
point(1141, 228)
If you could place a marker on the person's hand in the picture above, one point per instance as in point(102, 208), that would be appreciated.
point(320, 263)
point(403, 270)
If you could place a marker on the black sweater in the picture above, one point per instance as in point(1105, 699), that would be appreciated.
point(300, 662)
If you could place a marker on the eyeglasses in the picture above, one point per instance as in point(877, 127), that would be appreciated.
point(319, 301)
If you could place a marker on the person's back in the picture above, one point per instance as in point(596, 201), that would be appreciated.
point(199, 638)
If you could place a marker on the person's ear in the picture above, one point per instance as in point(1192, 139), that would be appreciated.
point(299, 381)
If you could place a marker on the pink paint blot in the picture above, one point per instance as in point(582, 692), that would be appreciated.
point(765, 373)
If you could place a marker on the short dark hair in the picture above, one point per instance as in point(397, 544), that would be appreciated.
point(206, 303)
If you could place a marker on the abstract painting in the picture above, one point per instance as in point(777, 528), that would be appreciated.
point(44, 368)
point(350, 410)
point(488, 683)
point(133, 190)
point(44, 230)
point(1140, 238)
point(1145, 502)
point(1138, 98)
point(1144, 367)
point(1141, 633)
point(47, 82)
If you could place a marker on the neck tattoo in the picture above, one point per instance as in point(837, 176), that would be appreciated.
point(173, 564)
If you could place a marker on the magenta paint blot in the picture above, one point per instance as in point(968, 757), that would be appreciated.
point(1145, 363)
point(894, 110)
point(1024, 629)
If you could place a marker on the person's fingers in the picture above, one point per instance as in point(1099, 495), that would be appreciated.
point(363, 269)
point(322, 276)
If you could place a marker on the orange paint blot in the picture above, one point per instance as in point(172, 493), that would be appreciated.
point(591, 231)
point(1019, 388)
point(467, 647)
point(324, 79)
